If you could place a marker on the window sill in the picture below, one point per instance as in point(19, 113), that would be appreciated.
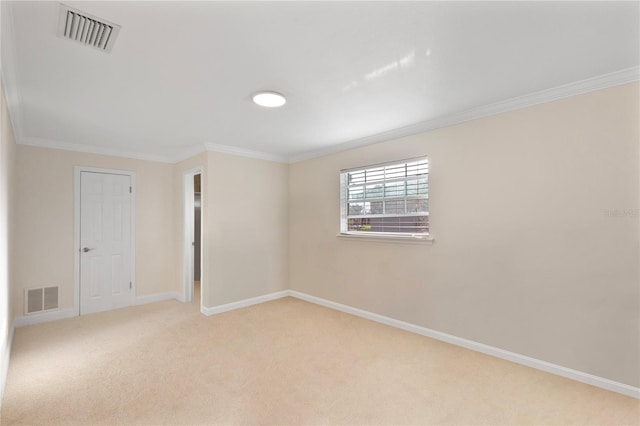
point(401, 239)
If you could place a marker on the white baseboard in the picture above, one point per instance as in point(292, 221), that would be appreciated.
point(244, 303)
point(569, 373)
point(559, 370)
point(5, 365)
point(158, 297)
point(68, 313)
point(43, 317)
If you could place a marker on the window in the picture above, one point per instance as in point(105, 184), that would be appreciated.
point(389, 199)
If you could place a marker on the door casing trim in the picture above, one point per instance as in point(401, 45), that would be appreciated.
point(77, 170)
point(188, 232)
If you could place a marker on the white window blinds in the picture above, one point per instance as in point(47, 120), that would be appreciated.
point(391, 198)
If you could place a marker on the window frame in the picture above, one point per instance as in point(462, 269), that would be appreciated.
point(383, 236)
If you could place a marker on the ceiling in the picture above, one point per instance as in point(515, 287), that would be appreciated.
point(181, 75)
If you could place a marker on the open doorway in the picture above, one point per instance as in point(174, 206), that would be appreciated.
point(197, 220)
point(193, 211)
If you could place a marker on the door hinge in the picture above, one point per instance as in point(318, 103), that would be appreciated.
point(130, 190)
point(130, 285)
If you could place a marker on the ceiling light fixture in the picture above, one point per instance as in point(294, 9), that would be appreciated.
point(269, 99)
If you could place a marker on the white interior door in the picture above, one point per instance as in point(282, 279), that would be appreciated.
point(105, 242)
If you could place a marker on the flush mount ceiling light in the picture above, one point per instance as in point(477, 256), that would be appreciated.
point(269, 99)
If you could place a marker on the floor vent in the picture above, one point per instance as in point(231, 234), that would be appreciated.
point(40, 299)
point(86, 29)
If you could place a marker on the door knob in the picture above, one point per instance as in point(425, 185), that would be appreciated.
point(87, 249)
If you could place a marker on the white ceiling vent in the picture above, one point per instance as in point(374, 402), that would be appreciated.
point(86, 29)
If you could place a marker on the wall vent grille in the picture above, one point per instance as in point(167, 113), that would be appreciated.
point(86, 29)
point(40, 299)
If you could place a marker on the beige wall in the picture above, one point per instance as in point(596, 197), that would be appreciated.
point(530, 255)
point(536, 246)
point(245, 228)
point(45, 223)
point(245, 243)
point(7, 234)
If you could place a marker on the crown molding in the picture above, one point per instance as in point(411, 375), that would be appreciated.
point(242, 152)
point(189, 152)
point(90, 149)
point(147, 156)
point(572, 89)
point(10, 81)
point(616, 78)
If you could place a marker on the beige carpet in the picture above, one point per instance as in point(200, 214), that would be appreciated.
point(282, 362)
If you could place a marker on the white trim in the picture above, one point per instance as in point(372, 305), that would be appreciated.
point(70, 312)
point(189, 152)
point(91, 149)
point(381, 238)
point(558, 370)
point(6, 360)
point(402, 161)
point(182, 154)
point(478, 347)
point(44, 317)
point(616, 78)
point(188, 177)
point(548, 367)
point(77, 170)
point(244, 303)
point(243, 152)
point(188, 234)
point(157, 297)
